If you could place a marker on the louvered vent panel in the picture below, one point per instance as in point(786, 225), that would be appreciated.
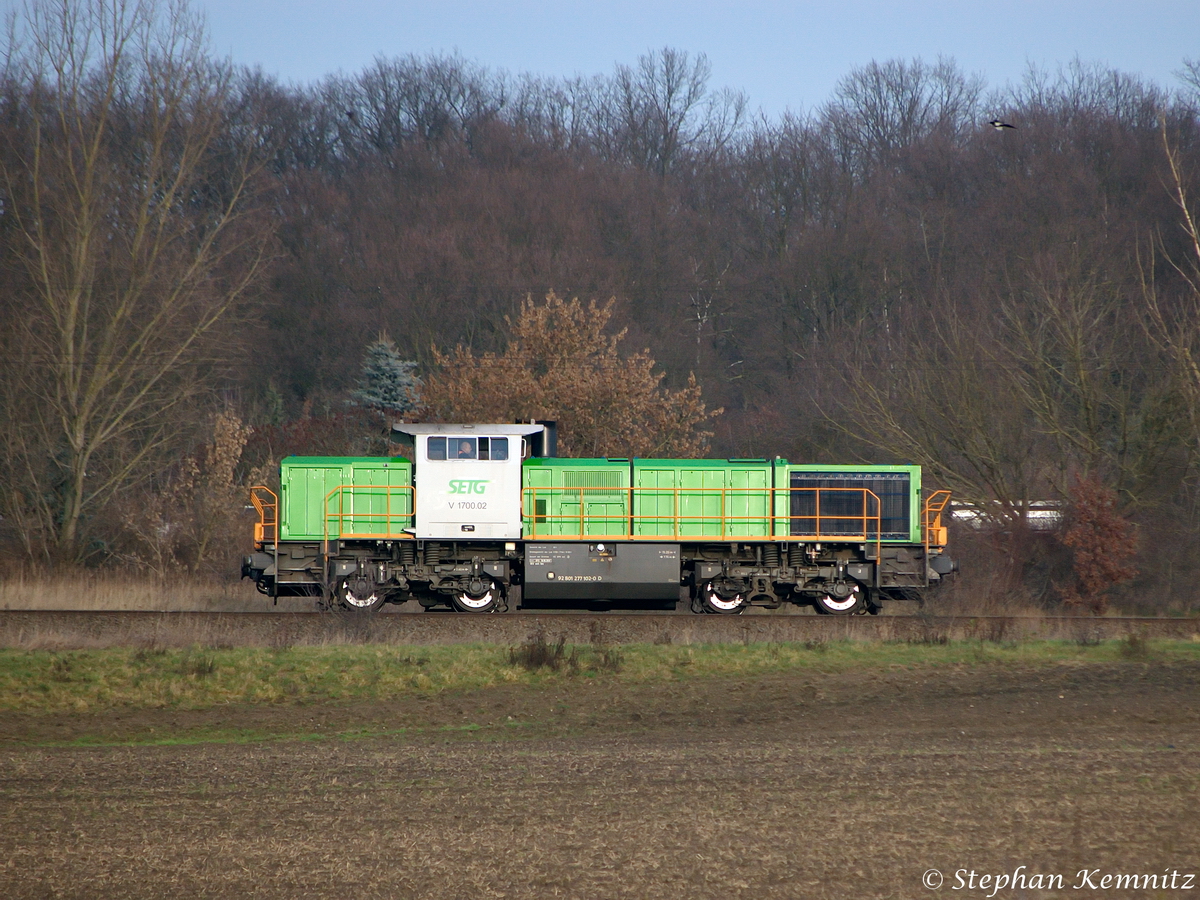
point(590, 479)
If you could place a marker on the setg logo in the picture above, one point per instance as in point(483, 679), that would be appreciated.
point(467, 486)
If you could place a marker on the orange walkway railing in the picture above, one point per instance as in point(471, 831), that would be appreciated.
point(266, 529)
point(933, 532)
point(399, 503)
point(633, 522)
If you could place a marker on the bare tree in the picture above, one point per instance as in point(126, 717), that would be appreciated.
point(1007, 400)
point(881, 108)
point(129, 246)
point(661, 109)
point(1173, 323)
point(939, 399)
point(1089, 95)
point(430, 100)
point(785, 169)
point(1190, 74)
point(559, 113)
point(1074, 353)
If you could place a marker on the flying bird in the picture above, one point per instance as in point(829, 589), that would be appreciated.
point(999, 125)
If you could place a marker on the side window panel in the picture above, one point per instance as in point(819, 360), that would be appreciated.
point(487, 448)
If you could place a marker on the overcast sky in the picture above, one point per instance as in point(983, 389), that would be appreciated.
point(782, 54)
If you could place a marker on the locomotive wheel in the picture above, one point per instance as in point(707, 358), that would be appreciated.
point(484, 601)
point(358, 596)
point(829, 605)
point(711, 601)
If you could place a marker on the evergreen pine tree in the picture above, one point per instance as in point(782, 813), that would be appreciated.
point(388, 383)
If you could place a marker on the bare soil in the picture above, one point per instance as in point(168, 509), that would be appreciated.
point(798, 785)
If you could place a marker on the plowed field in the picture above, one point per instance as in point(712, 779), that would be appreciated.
point(785, 786)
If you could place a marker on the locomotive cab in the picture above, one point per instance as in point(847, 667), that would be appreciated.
point(468, 480)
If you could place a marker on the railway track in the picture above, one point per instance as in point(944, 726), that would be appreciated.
point(94, 630)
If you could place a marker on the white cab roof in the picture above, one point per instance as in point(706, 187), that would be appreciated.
point(405, 428)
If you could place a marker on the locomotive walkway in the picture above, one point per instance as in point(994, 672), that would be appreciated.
point(94, 630)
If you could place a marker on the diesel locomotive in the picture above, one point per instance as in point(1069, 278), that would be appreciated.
point(484, 518)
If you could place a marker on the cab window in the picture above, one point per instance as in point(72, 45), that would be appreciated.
point(493, 448)
point(488, 448)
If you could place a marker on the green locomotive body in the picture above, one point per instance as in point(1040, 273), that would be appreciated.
point(480, 523)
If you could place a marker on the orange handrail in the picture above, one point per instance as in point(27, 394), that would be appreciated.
point(406, 516)
point(267, 527)
point(933, 533)
point(867, 518)
point(824, 527)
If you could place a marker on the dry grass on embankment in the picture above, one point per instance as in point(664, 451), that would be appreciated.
point(128, 592)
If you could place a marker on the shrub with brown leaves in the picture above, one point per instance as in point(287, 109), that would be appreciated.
point(561, 364)
point(1103, 542)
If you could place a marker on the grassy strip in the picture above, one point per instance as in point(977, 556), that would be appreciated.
point(201, 678)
